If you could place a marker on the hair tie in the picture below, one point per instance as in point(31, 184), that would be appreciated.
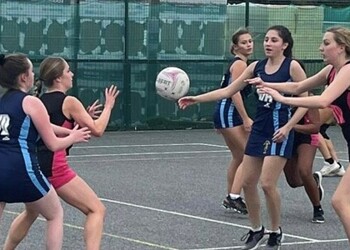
point(2, 59)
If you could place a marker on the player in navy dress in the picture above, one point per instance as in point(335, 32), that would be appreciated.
point(23, 118)
point(232, 121)
point(335, 50)
point(64, 111)
point(271, 139)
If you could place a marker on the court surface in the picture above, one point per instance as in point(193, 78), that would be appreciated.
point(163, 190)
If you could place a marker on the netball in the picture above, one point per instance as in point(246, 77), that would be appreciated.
point(172, 83)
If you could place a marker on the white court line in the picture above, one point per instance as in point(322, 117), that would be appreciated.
point(193, 217)
point(306, 240)
point(283, 244)
point(148, 145)
point(150, 153)
point(159, 153)
point(107, 234)
point(149, 159)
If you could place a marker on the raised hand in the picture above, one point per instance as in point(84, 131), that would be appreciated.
point(94, 109)
point(111, 94)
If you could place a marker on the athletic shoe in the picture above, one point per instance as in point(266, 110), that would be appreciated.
point(275, 240)
point(254, 239)
point(318, 216)
point(318, 178)
point(339, 172)
point(237, 205)
point(329, 168)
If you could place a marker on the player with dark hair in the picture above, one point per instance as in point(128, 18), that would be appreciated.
point(65, 111)
point(23, 118)
point(335, 50)
point(270, 141)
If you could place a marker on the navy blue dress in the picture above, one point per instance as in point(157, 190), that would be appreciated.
point(20, 177)
point(270, 116)
point(226, 114)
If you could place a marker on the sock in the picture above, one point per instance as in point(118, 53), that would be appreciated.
point(278, 231)
point(317, 208)
point(257, 229)
point(329, 160)
point(234, 196)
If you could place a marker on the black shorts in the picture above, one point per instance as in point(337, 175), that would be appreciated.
point(323, 130)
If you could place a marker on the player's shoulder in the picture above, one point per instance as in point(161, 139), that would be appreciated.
point(72, 103)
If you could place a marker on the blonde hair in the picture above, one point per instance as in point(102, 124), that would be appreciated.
point(341, 37)
point(50, 69)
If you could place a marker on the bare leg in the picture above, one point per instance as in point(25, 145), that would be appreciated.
point(251, 170)
point(322, 146)
point(292, 175)
point(331, 149)
point(341, 202)
point(50, 208)
point(304, 167)
point(235, 139)
point(19, 228)
point(271, 171)
point(78, 194)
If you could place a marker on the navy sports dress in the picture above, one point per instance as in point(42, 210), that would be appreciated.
point(20, 177)
point(270, 116)
point(226, 114)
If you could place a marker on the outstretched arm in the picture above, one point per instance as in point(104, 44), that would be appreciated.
point(219, 94)
point(296, 87)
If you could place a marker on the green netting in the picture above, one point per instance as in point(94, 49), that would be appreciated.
point(128, 43)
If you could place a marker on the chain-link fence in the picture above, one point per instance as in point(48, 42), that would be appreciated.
point(129, 42)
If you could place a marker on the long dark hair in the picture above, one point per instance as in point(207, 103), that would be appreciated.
point(286, 36)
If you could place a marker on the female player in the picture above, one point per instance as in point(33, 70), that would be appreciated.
point(64, 111)
point(232, 121)
point(335, 50)
point(298, 169)
point(22, 119)
point(271, 138)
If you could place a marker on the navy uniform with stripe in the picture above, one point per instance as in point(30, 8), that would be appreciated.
point(20, 177)
point(270, 116)
point(226, 114)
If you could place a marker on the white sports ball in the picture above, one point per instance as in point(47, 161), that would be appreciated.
point(172, 83)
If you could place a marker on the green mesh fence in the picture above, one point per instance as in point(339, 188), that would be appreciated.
point(129, 42)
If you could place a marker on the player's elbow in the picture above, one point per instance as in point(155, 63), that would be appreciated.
point(97, 133)
point(324, 102)
point(54, 146)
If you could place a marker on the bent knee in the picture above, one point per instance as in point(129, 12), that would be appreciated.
point(268, 187)
point(99, 208)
